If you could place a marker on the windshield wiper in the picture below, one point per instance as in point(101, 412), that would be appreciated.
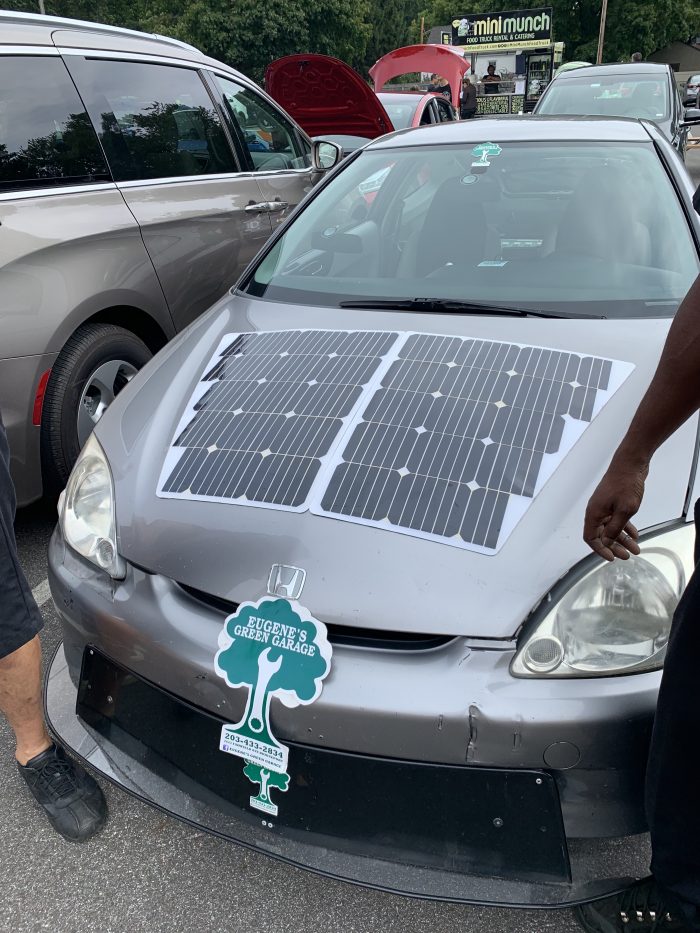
point(442, 305)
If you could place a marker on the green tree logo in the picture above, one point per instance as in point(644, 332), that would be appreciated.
point(274, 648)
point(267, 780)
point(484, 150)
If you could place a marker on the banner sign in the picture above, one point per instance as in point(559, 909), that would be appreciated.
point(493, 104)
point(493, 32)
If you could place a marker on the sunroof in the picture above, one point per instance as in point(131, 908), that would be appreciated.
point(441, 437)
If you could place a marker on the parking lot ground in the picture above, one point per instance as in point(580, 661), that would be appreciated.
point(149, 872)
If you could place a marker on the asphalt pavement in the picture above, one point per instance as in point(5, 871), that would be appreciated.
point(148, 872)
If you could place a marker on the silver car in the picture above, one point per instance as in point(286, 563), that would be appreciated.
point(320, 566)
point(641, 91)
point(138, 178)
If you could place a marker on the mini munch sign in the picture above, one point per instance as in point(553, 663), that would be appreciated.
point(516, 29)
point(274, 647)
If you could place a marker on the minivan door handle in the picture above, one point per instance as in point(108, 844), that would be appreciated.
point(266, 207)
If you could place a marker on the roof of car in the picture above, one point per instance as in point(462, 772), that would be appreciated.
point(616, 68)
point(396, 97)
point(20, 27)
point(519, 129)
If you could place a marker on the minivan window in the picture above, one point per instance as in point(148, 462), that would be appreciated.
point(154, 121)
point(271, 142)
point(46, 138)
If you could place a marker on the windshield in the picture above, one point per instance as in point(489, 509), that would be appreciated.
point(580, 228)
point(640, 97)
point(400, 114)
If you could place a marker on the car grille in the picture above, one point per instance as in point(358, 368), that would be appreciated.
point(342, 634)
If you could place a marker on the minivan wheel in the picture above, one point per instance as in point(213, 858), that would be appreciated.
point(93, 367)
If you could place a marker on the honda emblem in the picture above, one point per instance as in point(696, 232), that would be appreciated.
point(286, 581)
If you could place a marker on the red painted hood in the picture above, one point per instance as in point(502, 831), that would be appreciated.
point(325, 96)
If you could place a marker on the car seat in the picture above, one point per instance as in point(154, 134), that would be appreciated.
point(455, 227)
point(601, 220)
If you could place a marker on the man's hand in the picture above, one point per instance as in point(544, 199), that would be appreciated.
point(607, 528)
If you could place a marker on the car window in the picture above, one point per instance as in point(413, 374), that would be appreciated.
point(428, 115)
point(46, 137)
point(444, 111)
point(154, 121)
point(400, 114)
point(638, 97)
point(271, 141)
point(579, 228)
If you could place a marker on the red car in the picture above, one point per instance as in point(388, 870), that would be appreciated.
point(330, 100)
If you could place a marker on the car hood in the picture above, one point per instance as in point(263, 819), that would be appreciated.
point(358, 575)
point(325, 96)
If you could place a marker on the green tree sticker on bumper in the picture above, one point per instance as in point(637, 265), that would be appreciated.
point(267, 780)
point(274, 647)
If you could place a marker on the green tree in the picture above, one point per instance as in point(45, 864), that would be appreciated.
point(267, 779)
point(632, 25)
point(391, 27)
point(292, 661)
point(247, 34)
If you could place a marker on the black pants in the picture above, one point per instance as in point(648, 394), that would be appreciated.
point(673, 774)
point(20, 618)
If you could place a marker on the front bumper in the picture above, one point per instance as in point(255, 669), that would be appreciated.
point(470, 835)
point(445, 717)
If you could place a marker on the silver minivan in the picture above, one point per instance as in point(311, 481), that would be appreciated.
point(137, 180)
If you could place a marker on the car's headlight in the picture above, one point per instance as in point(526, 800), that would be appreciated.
point(614, 618)
point(87, 511)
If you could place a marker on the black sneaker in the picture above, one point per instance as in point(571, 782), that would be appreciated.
point(643, 908)
point(70, 798)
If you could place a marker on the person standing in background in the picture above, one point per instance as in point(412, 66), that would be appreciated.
point(491, 80)
point(467, 107)
point(443, 87)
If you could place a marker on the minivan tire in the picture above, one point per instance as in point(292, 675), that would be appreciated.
point(91, 346)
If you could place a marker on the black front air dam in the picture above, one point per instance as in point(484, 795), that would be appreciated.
point(467, 834)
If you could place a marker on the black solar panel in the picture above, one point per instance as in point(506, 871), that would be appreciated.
point(272, 405)
point(456, 429)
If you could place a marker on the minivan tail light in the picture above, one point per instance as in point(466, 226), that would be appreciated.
point(39, 398)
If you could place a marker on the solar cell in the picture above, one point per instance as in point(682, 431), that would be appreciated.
point(441, 437)
point(456, 430)
point(267, 412)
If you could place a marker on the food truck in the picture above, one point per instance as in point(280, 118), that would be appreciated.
point(525, 33)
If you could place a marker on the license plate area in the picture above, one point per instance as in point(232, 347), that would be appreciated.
point(477, 821)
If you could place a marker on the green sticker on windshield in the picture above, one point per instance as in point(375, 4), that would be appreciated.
point(485, 151)
point(275, 648)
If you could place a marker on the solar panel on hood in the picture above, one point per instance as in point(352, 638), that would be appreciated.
point(457, 429)
point(267, 411)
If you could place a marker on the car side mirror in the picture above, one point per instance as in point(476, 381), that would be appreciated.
point(692, 117)
point(325, 154)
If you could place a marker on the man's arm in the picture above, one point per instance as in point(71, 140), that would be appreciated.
point(672, 397)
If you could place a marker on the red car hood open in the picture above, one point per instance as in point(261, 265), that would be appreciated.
point(325, 96)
